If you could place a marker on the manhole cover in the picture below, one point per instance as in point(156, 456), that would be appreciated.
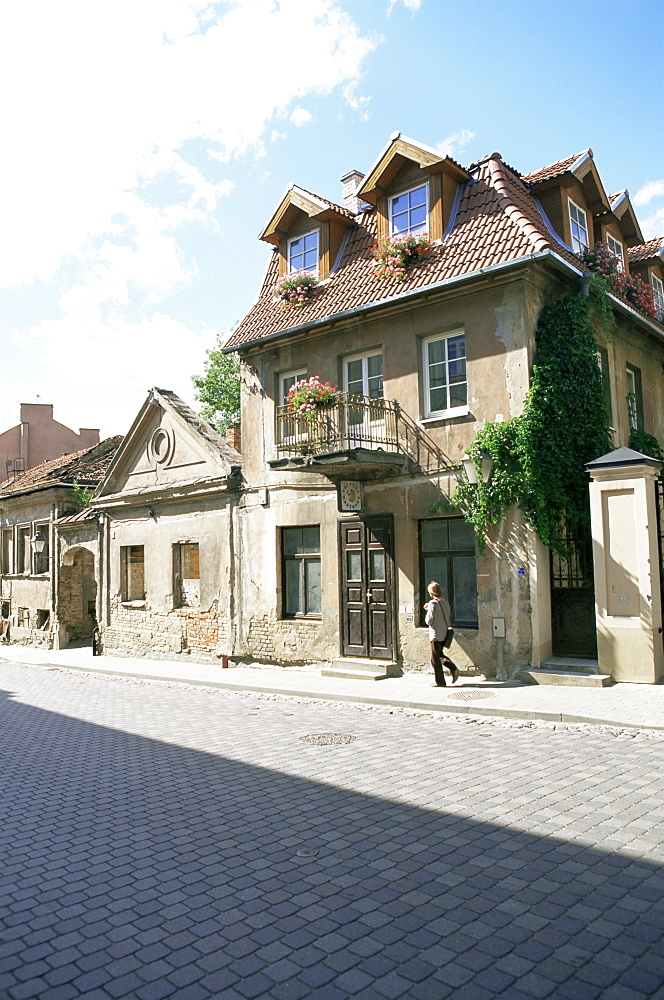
point(326, 739)
point(470, 695)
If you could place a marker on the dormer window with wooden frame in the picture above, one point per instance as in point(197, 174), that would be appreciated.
point(409, 211)
point(308, 232)
point(578, 221)
point(303, 253)
point(413, 188)
point(615, 248)
point(658, 293)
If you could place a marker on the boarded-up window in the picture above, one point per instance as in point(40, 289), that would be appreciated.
point(6, 550)
point(132, 566)
point(187, 575)
point(23, 561)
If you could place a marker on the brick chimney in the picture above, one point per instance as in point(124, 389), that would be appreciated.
point(234, 437)
point(350, 184)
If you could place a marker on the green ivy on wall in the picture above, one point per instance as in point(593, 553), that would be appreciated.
point(647, 444)
point(539, 457)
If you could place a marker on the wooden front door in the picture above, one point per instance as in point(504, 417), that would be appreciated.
point(367, 590)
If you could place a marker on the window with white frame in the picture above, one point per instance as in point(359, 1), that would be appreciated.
point(615, 248)
point(363, 375)
point(287, 381)
point(445, 378)
point(409, 211)
point(578, 226)
point(303, 252)
point(658, 293)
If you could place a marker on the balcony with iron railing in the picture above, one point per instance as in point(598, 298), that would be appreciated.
point(355, 434)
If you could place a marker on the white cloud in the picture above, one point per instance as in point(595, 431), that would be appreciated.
point(650, 190)
point(653, 226)
point(413, 5)
point(455, 143)
point(300, 116)
point(104, 95)
point(122, 115)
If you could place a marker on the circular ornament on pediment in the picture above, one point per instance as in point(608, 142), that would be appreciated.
point(162, 445)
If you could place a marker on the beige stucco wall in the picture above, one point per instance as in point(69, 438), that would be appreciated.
point(498, 319)
point(627, 578)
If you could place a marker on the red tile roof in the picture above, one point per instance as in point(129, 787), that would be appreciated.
point(554, 169)
point(653, 248)
point(497, 221)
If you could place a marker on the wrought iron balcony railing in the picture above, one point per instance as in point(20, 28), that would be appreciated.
point(352, 422)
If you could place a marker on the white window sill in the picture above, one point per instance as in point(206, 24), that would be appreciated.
point(443, 415)
point(133, 604)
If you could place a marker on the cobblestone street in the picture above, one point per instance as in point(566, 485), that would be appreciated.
point(165, 840)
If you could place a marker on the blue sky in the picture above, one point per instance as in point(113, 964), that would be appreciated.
point(147, 142)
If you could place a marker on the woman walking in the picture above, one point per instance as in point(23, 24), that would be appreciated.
point(438, 614)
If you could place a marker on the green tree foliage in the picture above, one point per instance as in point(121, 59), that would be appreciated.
point(218, 389)
point(82, 495)
point(539, 457)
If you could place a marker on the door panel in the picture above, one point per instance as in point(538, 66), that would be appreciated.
point(367, 596)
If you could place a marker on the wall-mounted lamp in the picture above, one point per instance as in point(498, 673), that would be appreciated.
point(38, 544)
point(152, 512)
point(486, 466)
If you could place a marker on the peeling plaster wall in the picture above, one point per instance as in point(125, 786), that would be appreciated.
point(159, 628)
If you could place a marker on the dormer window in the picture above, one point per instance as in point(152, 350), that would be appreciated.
point(658, 293)
point(409, 211)
point(303, 252)
point(615, 248)
point(579, 227)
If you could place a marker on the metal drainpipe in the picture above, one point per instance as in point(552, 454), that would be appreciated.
point(585, 282)
point(54, 573)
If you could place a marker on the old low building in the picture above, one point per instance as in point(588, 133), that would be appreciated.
point(167, 559)
point(42, 601)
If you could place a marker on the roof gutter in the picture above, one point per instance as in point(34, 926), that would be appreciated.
point(405, 297)
point(408, 296)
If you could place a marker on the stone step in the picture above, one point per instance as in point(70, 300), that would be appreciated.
point(577, 664)
point(565, 678)
point(356, 668)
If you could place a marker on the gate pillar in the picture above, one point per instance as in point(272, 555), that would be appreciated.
point(627, 566)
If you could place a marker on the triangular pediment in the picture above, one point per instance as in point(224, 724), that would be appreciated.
point(300, 203)
point(399, 151)
point(621, 206)
point(168, 447)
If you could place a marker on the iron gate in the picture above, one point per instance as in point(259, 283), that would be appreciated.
point(573, 624)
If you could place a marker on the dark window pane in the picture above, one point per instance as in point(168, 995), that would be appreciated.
point(462, 534)
point(293, 594)
point(376, 565)
point(435, 568)
point(312, 573)
point(312, 539)
point(465, 588)
point(435, 535)
point(353, 565)
point(292, 541)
